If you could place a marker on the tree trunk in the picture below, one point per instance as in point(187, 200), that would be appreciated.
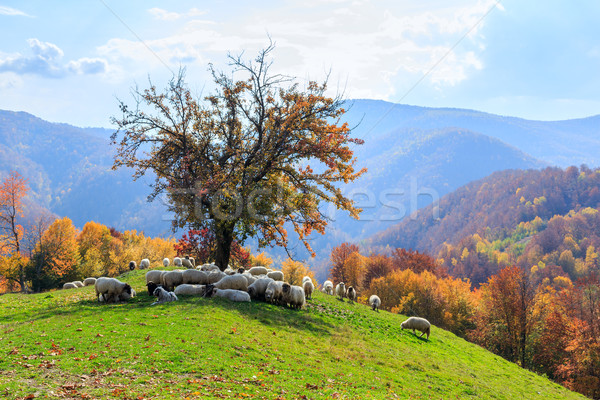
point(224, 238)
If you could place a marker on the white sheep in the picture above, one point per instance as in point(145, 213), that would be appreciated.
point(251, 278)
point(190, 290)
point(154, 276)
point(170, 279)
point(420, 324)
point(111, 288)
point(276, 275)
point(209, 267)
point(132, 265)
point(273, 292)
point(177, 262)
point(164, 296)
point(89, 281)
point(187, 262)
point(77, 283)
point(375, 302)
point(215, 276)
point(328, 287)
point(257, 289)
point(229, 294)
point(69, 285)
point(145, 264)
point(340, 290)
point(166, 262)
point(122, 297)
point(258, 271)
point(306, 278)
point(237, 282)
point(229, 270)
point(293, 295)
point(308, 287)
point(193, 276)
point(351, 294)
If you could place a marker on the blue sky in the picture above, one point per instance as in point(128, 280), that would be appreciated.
point(69, 61)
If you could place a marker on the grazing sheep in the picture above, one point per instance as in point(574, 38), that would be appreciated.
point(145, 264)
point(177, 262)
point(69, 285)
point(187, 263)
point(89, 281)
point(132, 265)
point(293, 295)
point(151, 287)
point(237, 282)
point(163, 296)
point(111, 288)
point(276, 275)
point(215, 276)
point(375, 302)
point(420, 324)
point(257, 289)
point(78, 283)
point(251, 278)
point(170, 279)
point(229, 294)
point(258, 271)
point(193, 276)
point(351, 294)
point(340, 290)
point(190, 290)
point(306, 278)
point(308, 287)
point(328, 287)
point(209, 267)
point(166, 262)
point(273, 292)
point(153, 275)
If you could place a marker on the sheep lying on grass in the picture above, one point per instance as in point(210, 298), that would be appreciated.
point(273, 292)
point(328, 287)
point(340, 290)
point(257, 289)
point(163, 296)
point(145, 264)
point(258, 271)
point(89, 281)
point(69, 285)
point(351, 294)
point(166, 262)
point(132, 265)
point(111, 289)
point(190, 290)
point(308, 287)
point(292, 295)
point(229, 294)
point(209, 267)
point(420, 324)
point(276, 275)
point(237, 282)
point(375, 302)
point(215, 276)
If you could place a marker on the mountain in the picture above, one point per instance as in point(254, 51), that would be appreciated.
point(510, 217)
point(69, 172)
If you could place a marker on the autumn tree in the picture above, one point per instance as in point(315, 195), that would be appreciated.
point(202, 245)
point(295, 271)
point(12, 266)
point(257, 154)
point(339, 258)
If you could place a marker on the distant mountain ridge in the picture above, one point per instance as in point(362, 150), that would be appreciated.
point(406, 147)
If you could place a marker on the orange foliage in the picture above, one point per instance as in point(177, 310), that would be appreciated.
point(294, 271)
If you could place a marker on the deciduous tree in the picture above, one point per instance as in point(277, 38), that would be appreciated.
point(259, 153)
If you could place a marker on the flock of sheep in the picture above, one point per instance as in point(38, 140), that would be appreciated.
point(240, 285)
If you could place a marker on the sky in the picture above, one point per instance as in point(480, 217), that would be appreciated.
point(71, 61)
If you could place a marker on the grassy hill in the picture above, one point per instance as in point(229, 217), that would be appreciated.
point(63, 344)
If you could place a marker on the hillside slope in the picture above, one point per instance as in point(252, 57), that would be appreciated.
point(65, 344)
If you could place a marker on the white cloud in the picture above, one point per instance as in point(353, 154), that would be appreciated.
point(46, 60)
point(12, 12)
point(165, 15)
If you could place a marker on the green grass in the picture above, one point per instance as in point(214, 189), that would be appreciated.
point(63, 344)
